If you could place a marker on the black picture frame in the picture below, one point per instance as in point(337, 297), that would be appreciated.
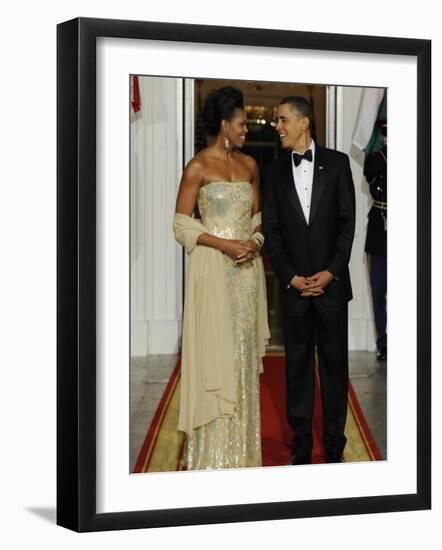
point(76, 273)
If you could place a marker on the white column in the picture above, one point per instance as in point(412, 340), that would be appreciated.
point(156, 258)
point(361, 324)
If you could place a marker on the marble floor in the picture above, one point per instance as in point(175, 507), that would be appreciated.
point(149, 376)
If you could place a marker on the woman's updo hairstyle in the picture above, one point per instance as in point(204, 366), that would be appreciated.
point(220, 105)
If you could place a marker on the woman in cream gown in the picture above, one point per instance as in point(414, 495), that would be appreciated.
point(225, 316)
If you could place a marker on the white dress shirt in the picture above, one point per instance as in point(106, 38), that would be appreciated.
point(303, 176)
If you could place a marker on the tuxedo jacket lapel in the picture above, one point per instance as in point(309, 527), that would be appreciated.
point(288, 181)
point(318, 182)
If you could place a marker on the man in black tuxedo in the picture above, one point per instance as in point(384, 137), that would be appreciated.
point(308, 219)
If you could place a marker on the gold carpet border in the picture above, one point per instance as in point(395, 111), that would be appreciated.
point(158, 437)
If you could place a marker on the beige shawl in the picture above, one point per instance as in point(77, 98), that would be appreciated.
point(208, 389)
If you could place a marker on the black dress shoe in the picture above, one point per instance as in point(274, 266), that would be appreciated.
point(381, 355)
point(330, 459)
point(296, 460)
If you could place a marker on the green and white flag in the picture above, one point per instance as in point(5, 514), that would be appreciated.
point(376, 142)
point(369, 104)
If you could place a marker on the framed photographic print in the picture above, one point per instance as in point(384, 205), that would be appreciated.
point(137, 103)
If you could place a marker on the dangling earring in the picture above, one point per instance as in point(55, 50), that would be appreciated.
point(226, 142)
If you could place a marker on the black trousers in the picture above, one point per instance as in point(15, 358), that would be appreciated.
point(326, 327)
point(378, 280)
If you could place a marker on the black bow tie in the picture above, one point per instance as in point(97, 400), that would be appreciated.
point(307, 156)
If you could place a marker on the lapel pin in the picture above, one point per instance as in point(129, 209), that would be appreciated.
point(321, 167)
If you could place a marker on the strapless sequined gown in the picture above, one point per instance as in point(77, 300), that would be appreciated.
point(225, 209)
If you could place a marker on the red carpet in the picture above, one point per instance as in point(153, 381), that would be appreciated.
point(277, 434)
point(163, 443)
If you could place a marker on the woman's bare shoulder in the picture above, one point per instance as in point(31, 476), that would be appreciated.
point(197, 165)
point(249, 160)
point(251, 164)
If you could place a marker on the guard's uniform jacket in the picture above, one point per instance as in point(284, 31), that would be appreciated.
point(375, 172)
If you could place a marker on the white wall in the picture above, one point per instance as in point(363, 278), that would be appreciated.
point(361, 325)
point(156, 259)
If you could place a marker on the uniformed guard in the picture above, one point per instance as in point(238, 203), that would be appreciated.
point(375, 172)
